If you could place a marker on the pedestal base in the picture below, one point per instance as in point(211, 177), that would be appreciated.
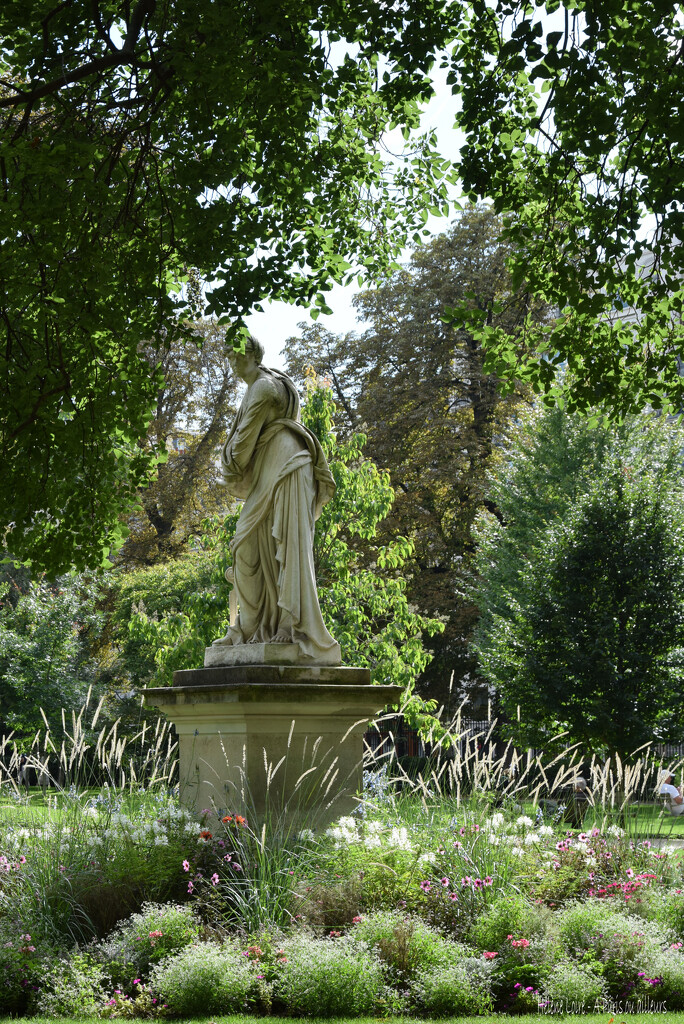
point(272, 740)
point(263, 654)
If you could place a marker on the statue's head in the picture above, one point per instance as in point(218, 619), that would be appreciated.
point(254, 346)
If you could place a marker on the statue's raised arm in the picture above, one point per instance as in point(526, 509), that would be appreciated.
point(273, 462)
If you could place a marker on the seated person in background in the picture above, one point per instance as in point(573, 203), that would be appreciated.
point(578, 803)
point(672, 795)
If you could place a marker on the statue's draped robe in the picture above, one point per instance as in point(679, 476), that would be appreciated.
point(277, 465)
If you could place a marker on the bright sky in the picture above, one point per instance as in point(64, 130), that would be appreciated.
point(279, 320)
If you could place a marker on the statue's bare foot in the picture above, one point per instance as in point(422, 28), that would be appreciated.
point(254, 641)
point(224, 641)
point(281, 637)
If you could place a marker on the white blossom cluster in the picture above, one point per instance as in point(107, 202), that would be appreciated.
point(101, 827)
point(372, 835)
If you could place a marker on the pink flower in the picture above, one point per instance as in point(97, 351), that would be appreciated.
point(445, 882)
point(357, 920)
point(425, 885)
point(186, 865)
point(214, 879)
point(453, 896)
point(190, 886)
point(490, 955)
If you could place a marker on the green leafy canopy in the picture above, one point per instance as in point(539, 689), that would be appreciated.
point(139, 139)
point(571, 115)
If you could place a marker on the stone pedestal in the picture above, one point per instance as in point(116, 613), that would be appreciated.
point(272, 740)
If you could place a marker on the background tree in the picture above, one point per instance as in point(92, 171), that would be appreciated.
point(47, 632)
point(195, 402)
point(361, 589)
point(571, 129)
point(432, 413)
point(582, 619)
point(139, 138)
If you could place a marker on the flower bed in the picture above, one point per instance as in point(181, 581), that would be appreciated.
point(428, 906)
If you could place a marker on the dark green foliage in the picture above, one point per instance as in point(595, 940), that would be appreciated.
point(571, 119)
point(147, 595)
point(47, 632)
point(581, 583)
point(141, 139)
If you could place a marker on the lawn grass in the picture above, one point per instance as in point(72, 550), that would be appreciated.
point(498, 1018)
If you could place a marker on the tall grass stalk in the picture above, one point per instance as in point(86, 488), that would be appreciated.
point(472, 772)
point(86, 758)
point(295, 794)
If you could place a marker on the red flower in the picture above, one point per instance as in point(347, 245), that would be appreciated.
point(490, 956)
point(205, 834)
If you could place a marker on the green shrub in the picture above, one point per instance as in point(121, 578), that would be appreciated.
point(406, 944)
point(669, 910)
point(448, 991)
point(20, 969)
point(572, 988)
point(668, 966)
point(587, 926)
point(623, 947)
point(70, 987)
point(204, 979)
point(627, 958)
point(329, 978)
point(508, 915)
point(146, 938)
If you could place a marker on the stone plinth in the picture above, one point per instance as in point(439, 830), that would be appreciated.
point(261, 654)
point(271, 740)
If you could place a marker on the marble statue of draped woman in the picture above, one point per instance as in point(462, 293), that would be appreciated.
point(273, 462)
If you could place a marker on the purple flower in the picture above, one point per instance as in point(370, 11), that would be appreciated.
point(425, 885)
